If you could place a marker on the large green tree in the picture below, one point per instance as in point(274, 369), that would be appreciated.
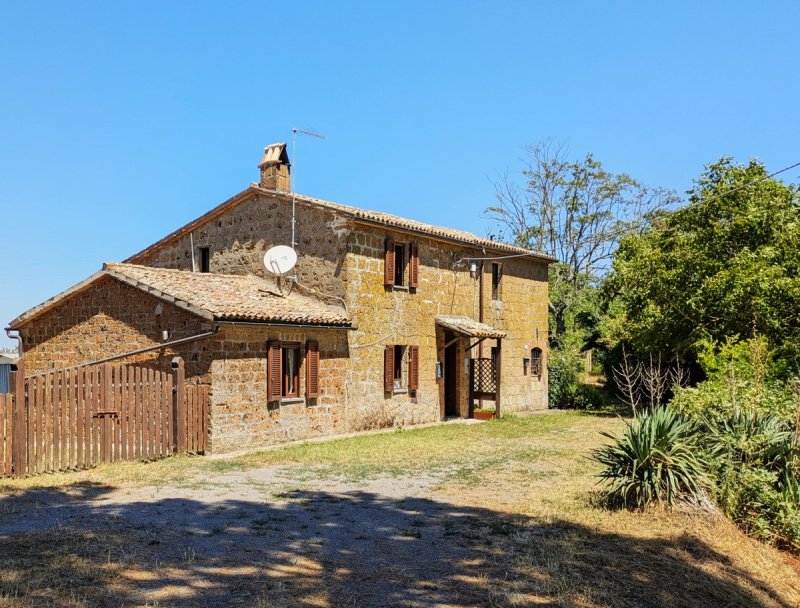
point(726, 266)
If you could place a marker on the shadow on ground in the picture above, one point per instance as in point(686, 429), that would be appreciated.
point(79, 547)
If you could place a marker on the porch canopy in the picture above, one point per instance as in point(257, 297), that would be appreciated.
point(484, 381)
point(465, 326)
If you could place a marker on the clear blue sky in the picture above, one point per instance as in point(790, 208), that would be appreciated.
point(120, 121)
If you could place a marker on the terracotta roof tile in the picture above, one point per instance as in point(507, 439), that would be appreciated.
point(216, 297)
point(469, 327)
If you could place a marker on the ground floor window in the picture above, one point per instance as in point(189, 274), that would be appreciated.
point(536, 362)
point(291, 370)
point(400, 368)
point(284, 365)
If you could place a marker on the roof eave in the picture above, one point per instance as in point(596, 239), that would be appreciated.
point(273, 323)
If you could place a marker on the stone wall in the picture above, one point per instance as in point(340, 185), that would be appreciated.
point(242, 418)
point(107, 319)
point(238, 240)
point(386, 315)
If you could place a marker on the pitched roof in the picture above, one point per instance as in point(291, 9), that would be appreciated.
point(216, 297)
point(469, 327)
point(356, 214)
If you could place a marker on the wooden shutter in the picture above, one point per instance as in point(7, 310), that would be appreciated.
point(413, 266)
point(312, 369)
point(413, 368)
point(388, 262)
point(388, 369)
point(274, 370)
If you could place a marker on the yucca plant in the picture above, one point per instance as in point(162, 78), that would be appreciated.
point(656, 459)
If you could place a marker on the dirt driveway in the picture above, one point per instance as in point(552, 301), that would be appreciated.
point(269, 536)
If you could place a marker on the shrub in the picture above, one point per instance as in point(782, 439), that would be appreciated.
point(739, 374)
point(654, 460)
point(756, 464)
point(565, 389)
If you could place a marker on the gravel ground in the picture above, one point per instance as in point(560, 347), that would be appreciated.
point(275, 536)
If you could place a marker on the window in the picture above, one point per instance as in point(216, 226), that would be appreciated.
point(536, 362)
point(400, 368)
point(497, 275)
point(291, 371)
point(283, 370)
point(205, 259)
point(401, 264)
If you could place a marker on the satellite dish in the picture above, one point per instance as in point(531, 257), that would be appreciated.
point(280, 259)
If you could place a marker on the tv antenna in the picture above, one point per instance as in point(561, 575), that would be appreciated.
point(295, 133)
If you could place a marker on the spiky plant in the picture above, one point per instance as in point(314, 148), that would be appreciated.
point(654, 460)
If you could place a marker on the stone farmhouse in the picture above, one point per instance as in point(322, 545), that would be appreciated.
point(383, 321)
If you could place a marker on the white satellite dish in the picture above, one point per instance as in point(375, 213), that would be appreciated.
point(280, 259)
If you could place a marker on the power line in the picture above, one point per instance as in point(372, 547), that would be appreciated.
point(755, 181)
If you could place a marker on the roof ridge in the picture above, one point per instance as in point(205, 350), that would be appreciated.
point(357, 213)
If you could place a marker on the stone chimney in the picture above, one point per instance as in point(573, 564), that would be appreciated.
point(275, 168)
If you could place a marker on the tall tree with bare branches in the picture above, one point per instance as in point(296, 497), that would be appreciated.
point(575, 211)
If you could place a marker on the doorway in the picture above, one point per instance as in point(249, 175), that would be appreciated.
point(450, 378)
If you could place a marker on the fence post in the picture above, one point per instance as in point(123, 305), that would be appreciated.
point(20, 432)
point(179, 404)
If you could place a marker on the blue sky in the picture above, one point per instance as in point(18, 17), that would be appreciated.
point(120, 121)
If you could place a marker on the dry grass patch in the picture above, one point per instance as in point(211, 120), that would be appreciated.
point(506, 516)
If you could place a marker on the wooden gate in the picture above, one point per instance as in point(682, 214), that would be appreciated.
point(80, 417)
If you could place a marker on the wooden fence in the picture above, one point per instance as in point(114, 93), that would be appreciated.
point(77, 418)
point(6, 433)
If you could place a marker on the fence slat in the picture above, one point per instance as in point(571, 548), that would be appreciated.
point(123, 416)
point(6, 438)
point(40, 419)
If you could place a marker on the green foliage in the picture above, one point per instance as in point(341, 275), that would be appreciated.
point(565, 388)
point(726, 266)
point(656, 459)
point(739, 374)
point(756, 466)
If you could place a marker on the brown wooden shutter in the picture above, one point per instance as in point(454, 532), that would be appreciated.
point(388, 262)
point(388, 369)
point(413, 266)
point(312, 369)
point(413, 368)
point(274, 370)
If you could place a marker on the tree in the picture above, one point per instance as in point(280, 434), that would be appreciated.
point(726, 266)
point(575, 211)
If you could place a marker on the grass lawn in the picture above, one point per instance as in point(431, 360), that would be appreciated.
point(502, 513)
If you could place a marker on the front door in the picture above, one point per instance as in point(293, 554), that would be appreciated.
point(450, 375)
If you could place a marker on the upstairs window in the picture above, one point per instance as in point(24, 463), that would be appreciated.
point(205, 259)
point(401, 264)
point(497, 276)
